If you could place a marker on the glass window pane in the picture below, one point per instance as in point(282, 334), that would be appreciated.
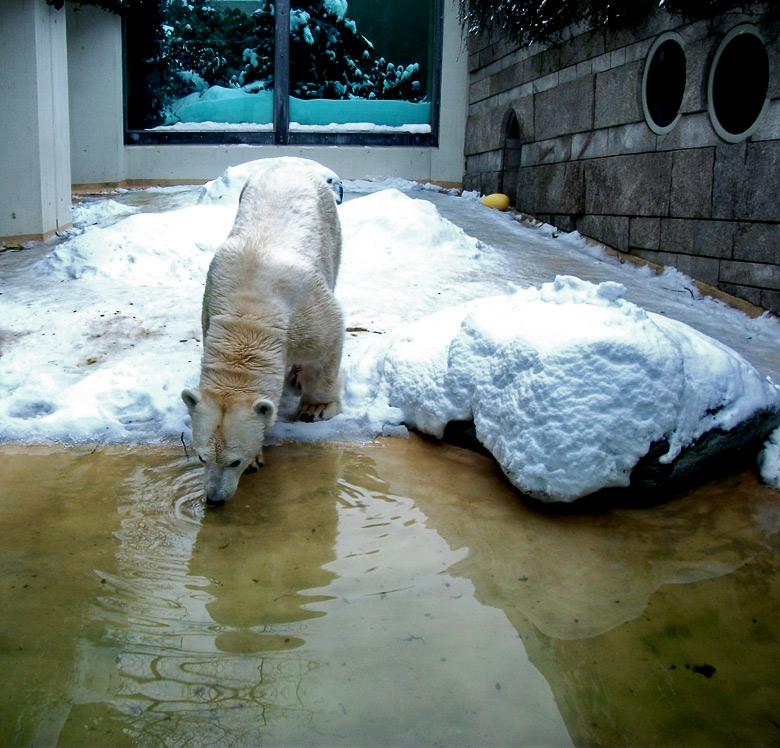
point(665, 85)
point(200, 65)
point(361, 65)
point(740, 80)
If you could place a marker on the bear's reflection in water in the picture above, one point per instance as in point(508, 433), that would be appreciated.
point(392, 594)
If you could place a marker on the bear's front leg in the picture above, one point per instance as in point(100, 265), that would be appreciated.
point(320, 391)
point(318, 362)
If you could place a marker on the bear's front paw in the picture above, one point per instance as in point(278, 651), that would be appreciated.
point(255, 465)
point(310, 412)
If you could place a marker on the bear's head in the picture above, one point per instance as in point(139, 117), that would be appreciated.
point(227, 434)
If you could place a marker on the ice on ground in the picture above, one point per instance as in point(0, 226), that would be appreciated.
point(567, 384)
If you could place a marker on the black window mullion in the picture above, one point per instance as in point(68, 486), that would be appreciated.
point(282, 72)
point(438, 48)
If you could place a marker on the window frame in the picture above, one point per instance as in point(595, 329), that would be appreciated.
point(723, 133)
point(669, 36)
point(281, 135)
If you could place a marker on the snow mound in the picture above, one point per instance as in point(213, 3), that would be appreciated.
point(385, 183)
point(226, 189)
point(144, 248)
point(402, 260)
point(220, 104)
point(93, 212)
point(569, 386)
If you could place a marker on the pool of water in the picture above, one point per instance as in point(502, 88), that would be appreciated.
point(399, 593)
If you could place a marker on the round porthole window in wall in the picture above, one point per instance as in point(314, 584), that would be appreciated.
point(738, 83)
point(663, 82)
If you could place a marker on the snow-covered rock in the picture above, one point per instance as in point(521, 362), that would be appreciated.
point(571, 387)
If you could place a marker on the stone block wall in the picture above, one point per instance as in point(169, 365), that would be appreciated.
point(562, 130)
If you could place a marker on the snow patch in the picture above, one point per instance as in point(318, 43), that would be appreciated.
point(336, 7)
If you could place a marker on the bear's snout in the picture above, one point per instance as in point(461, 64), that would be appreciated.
point(219, 484)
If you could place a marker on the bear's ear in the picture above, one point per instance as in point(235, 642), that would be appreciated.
point(191, 399)
point(265, 409)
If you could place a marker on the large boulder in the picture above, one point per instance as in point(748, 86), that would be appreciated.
point(574, 389)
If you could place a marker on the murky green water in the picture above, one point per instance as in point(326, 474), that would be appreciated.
point(394, 594)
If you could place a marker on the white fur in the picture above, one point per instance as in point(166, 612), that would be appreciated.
point(268, 306)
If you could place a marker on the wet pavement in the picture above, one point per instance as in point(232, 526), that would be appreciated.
point(396, 594)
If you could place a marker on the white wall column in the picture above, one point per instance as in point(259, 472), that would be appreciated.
point(34, 122)
point(96, 98)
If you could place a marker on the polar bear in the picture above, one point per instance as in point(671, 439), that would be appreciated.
point(268, 311)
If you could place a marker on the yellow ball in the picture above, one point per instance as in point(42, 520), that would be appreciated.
point(496, 200)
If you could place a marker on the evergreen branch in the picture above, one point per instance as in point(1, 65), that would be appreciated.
point(529, 21)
